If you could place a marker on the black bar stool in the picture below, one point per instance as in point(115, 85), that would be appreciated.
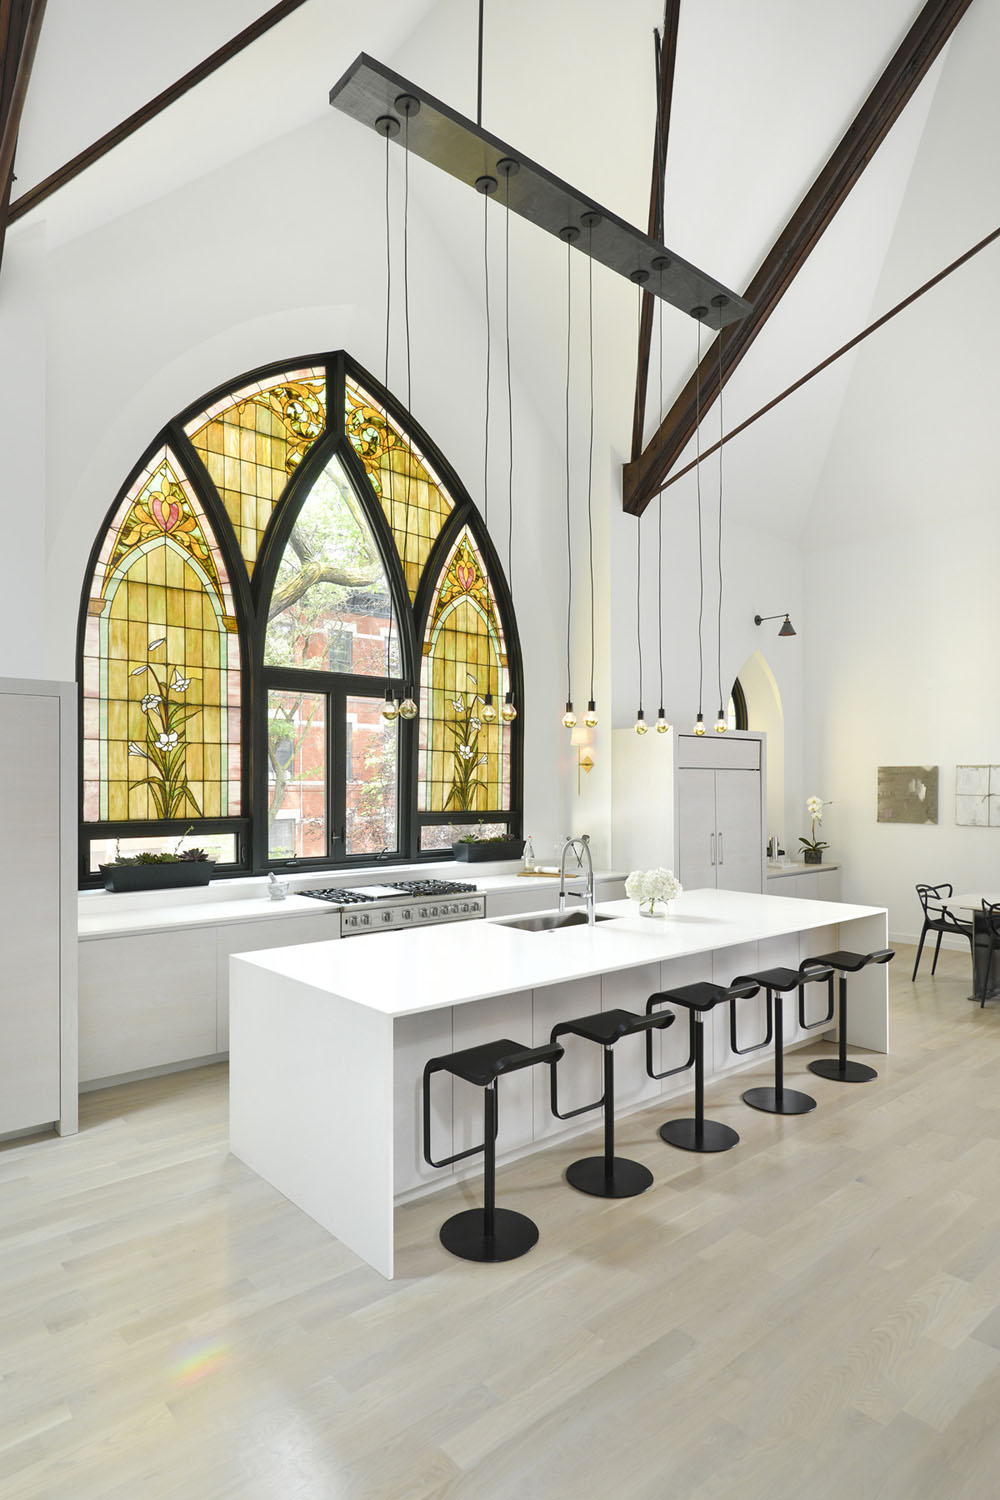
point(488, 1233)
point(842, 1069)
point(607, 1176)
point(697, 1134)
point(777, 982)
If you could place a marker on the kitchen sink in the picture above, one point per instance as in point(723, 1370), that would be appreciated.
point(553, 921)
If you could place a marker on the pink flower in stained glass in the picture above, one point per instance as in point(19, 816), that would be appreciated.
point(466, 576)
point(166, 513)
point(166, 741)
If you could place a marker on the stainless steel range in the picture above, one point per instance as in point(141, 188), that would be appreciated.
point(409, 903)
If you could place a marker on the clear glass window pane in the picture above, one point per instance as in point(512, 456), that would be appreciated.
point(372, 778)
point(218, 846)
point(330, 608)
point(296, 775)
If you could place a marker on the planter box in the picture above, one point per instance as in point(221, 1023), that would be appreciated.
point(168, 877)
point(812, 856)
point(494, 849)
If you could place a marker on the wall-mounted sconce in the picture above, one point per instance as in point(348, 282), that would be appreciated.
point(580, 739)
point(787, 628)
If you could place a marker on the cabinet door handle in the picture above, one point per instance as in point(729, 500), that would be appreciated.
point(721, 851)
point(711, 848)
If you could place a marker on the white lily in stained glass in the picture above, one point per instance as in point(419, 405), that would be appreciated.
point(149, 702)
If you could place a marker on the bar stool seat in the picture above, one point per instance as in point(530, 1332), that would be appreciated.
point(843, 1069)
point(697, 1133)
point(607, 1176)
point(488, 1233)
point(778, 982)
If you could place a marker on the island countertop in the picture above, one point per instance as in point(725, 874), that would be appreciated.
point(404, 973)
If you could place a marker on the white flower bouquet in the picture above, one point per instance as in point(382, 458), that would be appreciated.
point(649, 886)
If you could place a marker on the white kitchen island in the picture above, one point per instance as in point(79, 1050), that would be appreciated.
point(328, 1041)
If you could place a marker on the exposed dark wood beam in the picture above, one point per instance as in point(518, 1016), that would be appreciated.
point(86, 158)
point(937, 20)
point(666, 51)
point(20, 25)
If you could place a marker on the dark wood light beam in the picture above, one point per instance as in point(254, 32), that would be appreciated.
point(643, 477)
point(86, 158)
point(20, 24)
point(666, 57)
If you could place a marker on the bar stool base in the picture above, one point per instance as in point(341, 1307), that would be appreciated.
point(626, 1179)
point(790, 1101)
point(712, 1136)
point(852, 1072)
point(513, 1235)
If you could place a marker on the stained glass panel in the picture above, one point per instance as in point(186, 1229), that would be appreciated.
point(252, 440)
point(330, 608)
point(464, 763)
point(412, 496)
point(296, 775)
point(161, 667)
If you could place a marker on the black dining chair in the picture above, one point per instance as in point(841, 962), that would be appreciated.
point(937, 918)
point(988, 938)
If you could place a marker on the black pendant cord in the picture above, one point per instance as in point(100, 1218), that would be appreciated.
point(510, 403)
point(388, 307)
point(479, 75)
point(486, 298)
point(638, 557)
point(722, 706)
point(569, 543)
point(659, 519)
point(701, 552)
point(406, 326)
point(590, 451)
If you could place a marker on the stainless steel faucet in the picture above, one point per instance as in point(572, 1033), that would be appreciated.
point(580, 848)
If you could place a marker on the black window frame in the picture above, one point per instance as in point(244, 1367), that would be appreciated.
point(250, 597)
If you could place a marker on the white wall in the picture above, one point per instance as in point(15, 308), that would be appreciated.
point(901, 616)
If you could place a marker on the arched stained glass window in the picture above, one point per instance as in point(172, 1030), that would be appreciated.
point(330, 607)
point(251, 441)
point(161, 661)
point(464, 761)
point(413, 498)
point(294, 520)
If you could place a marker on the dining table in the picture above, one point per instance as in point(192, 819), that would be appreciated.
point(985, 965)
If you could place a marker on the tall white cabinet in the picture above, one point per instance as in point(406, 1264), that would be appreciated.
point(38, 1047)
point(719, 812)
point(694, 803)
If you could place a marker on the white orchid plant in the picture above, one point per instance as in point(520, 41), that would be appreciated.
point(814, 807)
point(165, 749)
point(649, 886)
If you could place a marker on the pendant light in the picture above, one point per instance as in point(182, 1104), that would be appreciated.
point(388, 126)
point(568, 234)
point(660, 264)
point(407, 708)
point(590, 220)
point(699, 723)
point(487, 185)
point(508, 168)
point(721, 722)
point(640, 726)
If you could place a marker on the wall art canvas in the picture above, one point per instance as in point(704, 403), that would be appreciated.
point(908, 794)
point(977, 796)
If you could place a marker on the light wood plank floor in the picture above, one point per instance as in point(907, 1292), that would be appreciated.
point(815, 1314)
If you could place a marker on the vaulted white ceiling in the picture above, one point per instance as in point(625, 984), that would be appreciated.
point(763, 93)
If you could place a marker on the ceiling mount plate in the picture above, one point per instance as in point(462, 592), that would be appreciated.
point(369, 92)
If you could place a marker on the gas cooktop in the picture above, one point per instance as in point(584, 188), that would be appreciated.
point(401, 891)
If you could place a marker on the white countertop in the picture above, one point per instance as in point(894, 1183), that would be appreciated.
point(400, 973)
point(799, 867)
point(102, 914)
